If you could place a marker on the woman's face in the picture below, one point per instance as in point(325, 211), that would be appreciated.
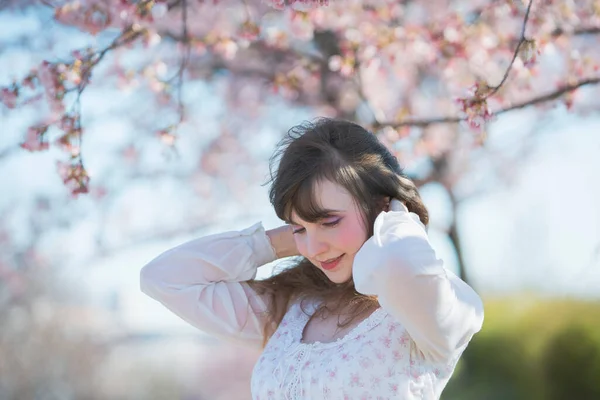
point(331, 243)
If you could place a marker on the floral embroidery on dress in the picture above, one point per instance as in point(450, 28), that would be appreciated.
point(375, 360)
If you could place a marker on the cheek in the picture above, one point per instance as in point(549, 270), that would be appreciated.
point(351, 237)
point(299, 244)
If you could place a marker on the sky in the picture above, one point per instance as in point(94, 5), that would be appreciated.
point(540, 234)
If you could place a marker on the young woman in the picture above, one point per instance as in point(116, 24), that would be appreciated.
point(367, 312)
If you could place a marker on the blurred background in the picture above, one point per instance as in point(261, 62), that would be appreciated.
point(128, 127)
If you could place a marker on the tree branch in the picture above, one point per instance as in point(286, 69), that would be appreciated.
point(522, 40)
point(550, 96)
point(494, 89)
point(453, 120)
point(359, 87)
point(184, 60)
point(576, 31)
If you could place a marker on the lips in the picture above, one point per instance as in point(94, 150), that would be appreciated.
point(332, 263)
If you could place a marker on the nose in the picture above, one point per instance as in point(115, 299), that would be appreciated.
point(315, 245)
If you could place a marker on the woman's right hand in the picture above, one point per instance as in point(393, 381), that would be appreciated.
point(282, 241)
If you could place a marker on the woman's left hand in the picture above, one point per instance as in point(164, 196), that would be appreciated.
point(396, 205)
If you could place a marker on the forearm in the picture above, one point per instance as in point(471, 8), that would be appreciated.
point(203, 281)
point(399, 265)
point(282, 241)
point(225, 257)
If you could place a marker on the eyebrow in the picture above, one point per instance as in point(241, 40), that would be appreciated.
point(326, 214)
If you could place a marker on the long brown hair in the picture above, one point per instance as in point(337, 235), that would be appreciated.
point(347, 154)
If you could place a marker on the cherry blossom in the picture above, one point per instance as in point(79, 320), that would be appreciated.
point(391, 66)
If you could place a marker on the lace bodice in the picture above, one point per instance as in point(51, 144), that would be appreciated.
point(375, 360)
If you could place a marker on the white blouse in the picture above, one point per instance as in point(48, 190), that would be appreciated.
point(406, 349)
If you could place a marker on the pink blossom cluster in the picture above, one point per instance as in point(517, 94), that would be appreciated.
point(166, 136)
point(49, 76)
point(94, 16)
point(34, 139)
point(344, 64)
point(528, 52)
point(70, 124)
point(74, 176)
point(475, 111)
point(301, 25)
point(402, 62)
point(281, 4)
point(249, 30)
point(474, 108)
point(55, 80)
point(9, 96)
point(298, 79)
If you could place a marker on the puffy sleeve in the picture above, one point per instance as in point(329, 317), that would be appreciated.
point(440, 312)
point(203, 282)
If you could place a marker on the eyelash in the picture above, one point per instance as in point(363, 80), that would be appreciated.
point(327, 224)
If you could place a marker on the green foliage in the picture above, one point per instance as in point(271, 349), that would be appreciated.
point(532, 349)
point(571, 364)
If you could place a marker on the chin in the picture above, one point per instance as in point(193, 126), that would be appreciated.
point(338, 276)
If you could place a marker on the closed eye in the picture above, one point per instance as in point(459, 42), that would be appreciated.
point(327, 224)
point(332, 223)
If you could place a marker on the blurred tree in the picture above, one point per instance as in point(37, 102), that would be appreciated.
point(532, 349)
point(428, 77)
point(46, 349)
point(571, 364)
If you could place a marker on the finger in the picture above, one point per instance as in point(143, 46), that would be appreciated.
point(397, 205)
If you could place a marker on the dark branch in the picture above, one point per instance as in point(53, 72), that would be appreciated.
point(453, 120)
point(184, 60)
point(47, 3)
point(550, 96)
point(359, 86)
point(577, 31)
point(522, 40)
